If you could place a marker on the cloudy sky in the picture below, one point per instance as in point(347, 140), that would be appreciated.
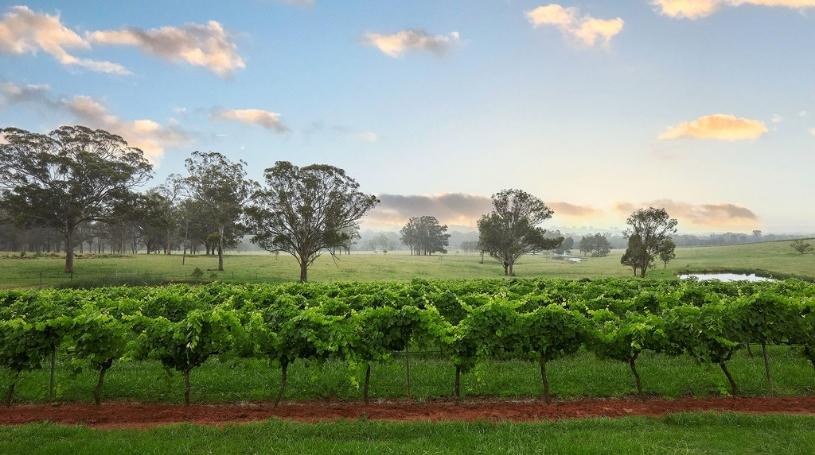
point(705, 107)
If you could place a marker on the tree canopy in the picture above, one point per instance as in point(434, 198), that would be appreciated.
point(425, 236)
point(596, 245)
point(649, 231)
point(305, 210)
point(512, 228)
point(70, 176)
point(222, 188)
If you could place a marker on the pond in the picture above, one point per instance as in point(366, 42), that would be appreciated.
point(724, 277)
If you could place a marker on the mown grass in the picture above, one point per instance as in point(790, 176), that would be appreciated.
point(689, 433)
point(580, 376)
point(774, 257)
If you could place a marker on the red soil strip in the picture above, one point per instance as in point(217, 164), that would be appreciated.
point(139, 415)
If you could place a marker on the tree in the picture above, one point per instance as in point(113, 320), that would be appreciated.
point(425, 236)
point(635, 255)
point(565, 246)
point(70, 176)
point(173, 190)
point(801, 246)
point(385, 241)
point(596, 245)
point(667, 251)
point(156, 221)
point(648, 230)
point(512, 228)
point(222, 188)
point(470, 246)
point(303, 211)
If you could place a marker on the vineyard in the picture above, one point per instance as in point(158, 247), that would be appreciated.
point(460, 323)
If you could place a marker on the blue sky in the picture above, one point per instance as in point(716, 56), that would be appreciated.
point(707, 112)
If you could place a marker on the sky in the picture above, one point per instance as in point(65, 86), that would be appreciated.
point(704, 107)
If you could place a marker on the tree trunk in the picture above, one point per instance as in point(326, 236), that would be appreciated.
point(632, 364)
point(221, 248)
point(545, 380)
point(283, 377)
point(186, 241)
point(457, 386)
point(734, 389)
point(69, 250)
point(367, 382)
point(10, 390)
point(767, 372)
point(97, 391)
point(303, 271)
point(187, 387)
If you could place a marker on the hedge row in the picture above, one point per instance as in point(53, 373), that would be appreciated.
point(467, 321)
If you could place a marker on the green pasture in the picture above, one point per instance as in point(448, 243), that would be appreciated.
point(773, 257)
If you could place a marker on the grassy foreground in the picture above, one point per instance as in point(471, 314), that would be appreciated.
point(775, 257)
point(580, 376)
point(678, 433)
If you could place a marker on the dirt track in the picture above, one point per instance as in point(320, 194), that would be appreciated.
point(139, 415)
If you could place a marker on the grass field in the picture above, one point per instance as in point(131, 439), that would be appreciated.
point(580, 376)
point(691, 433)
point(776, 257)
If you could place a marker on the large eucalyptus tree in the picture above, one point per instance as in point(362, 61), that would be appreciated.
point(69, 176)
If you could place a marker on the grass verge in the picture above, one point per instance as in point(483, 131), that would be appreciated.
point(695, 433)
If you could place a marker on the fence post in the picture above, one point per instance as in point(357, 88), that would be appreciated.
point(407, 373)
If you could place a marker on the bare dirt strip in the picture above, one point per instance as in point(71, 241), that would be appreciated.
point(143, 415)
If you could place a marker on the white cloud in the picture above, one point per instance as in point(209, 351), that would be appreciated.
point(23, 31)
point(722, 127)
point(687, 9)
point(148, 135)
point(777, 118)
point(696, 9)
point(585, 29)
point(207, 45)
point(812, 131)
point(396, 44)
point(267, 119)
point(803, 114)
